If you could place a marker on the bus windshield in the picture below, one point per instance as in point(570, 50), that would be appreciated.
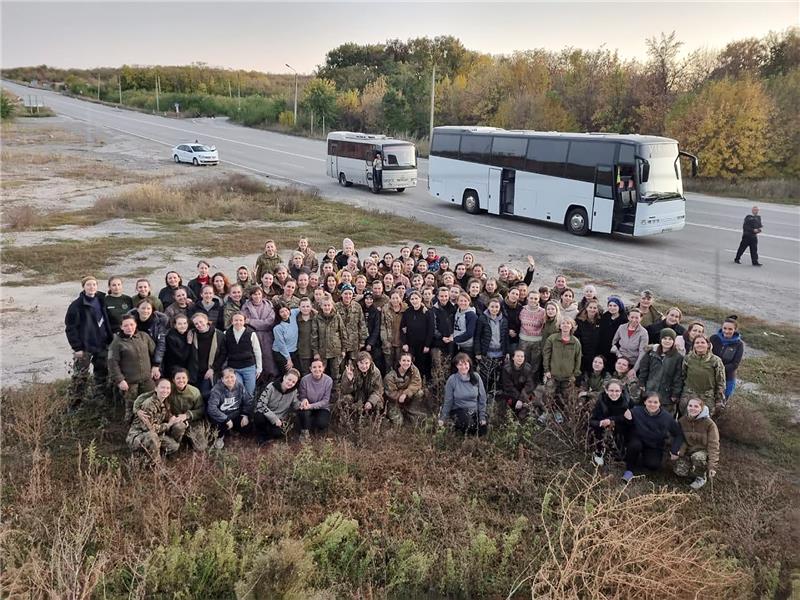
point(664, 181)
point(399, 156)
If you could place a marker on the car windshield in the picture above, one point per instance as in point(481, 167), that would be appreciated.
point(201, 149)
point(400, 156)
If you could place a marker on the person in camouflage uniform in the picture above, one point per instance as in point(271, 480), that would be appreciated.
point(630, 383)
point(152, 422)
point(186, 403)
point(129, 363)
point(699, 455)
point(702, 376)
point(561, 358)
point(327, 336)
point(355, 326)
point(362, 387)
point(403, 392)
point(268, 261)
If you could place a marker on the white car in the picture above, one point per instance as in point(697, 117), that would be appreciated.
point(197, 154)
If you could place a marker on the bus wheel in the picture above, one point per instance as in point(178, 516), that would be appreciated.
point(401, 190)
point(343, 181)
point(470, 202)
point(577, 221)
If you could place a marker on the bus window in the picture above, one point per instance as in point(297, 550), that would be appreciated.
point(626, 153)
point(509, 152)
point(476, 148)
point(547, 156)
point(585, 156)
point(399, 156)
point(446, 145)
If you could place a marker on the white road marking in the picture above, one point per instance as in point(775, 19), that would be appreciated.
point(215, 137)
point(765, 235)
point(792, 262)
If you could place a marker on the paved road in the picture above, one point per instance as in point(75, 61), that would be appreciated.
point(695, 264)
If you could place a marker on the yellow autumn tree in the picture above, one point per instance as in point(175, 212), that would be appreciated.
point(727, 125)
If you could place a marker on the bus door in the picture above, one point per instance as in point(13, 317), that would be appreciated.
point(507, 181)
point(495, 178)
point(332, 151)
point(603, 205)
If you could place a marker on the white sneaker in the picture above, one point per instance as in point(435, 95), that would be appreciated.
point(698, 483)
point(559, 418)
point(542, 418)
point(598, 460)
point(219, 444)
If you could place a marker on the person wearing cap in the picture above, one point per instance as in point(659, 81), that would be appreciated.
point(750, 229)
point(610, 320)
point(649, 313)
point(660, 370)
point(355, 326)
point(88, 331)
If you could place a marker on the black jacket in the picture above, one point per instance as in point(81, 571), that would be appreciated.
point(608, 328)
point(518, 384)
point(512, 314)
point(216, 314)
point(178, 354)
point(373, 318)
point(84, 332)
point(654, 330)
point(416, 327)
point(604, 408)
point(443, 325)
point(167, 294)
point(751, 223)
point(483, 335)
point(653, 430)
point(236, 355)
point(157, 327)
point(196, 287)
point(588, 334)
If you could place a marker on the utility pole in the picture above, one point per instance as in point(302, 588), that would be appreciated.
point(239, 82)
point(433, 92)
point(119, 81)
point(98, 86)
point(230, 94)
point(323, 124)
point(295, 93)
point(158, 106)
point(312, 122)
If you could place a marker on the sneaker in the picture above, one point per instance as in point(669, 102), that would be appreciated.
point(698, 483)
point(627, 476)
point(757, 265)
point(542, 418)
point(559, 418)
point(598, 460)
point(737, 261)
point(219, 443)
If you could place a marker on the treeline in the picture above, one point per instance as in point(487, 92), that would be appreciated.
point(736, 107)
point(250, 97)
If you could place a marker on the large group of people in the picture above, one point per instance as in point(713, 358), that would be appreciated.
point(279, 347)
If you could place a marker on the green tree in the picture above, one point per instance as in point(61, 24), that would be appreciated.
point(319, 97)
point(727, 125)
point(7, 105)
point(396, 113)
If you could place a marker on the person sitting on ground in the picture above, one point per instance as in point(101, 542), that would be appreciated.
point(660, 371)
point(403, 391)
point(129, 363)
point(186, 403)
point(275, 407)
point(728, 345)
point(608, 417)
point(630, 382)
point(518, 386)
point(362, 387)
point(593, 381)
point(650, 428)
point(314, 412)
point(229, 407)
point(464, 399)
point(699, 454)
point(151, 422)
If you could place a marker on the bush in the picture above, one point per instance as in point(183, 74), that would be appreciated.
point(286, 118)
point(7, 106)
point(338, 550)
point(282, 571)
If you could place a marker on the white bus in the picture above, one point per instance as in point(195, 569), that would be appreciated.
point(350, 158)
point(603, 182)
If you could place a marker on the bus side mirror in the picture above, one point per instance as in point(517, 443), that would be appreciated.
point(644, 169)
point(695, 162)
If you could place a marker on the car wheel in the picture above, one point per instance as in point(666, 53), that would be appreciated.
point(195, 162)
point(577, 222)
point(471, 203)
point(401, 190)
point(342, 180)
point(176, 159)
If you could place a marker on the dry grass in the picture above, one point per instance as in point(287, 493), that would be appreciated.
point(22, 218)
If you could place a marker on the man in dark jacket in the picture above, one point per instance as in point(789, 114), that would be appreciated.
point(88, 333)
point(750, 230)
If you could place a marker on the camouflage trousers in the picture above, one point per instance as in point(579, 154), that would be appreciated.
point(412, 408)
point(695, 464)
point(558, 392)
point(80, 377)
point(134, 391)
point(152, 443)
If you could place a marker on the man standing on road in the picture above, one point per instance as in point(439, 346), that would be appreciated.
point(751, 228)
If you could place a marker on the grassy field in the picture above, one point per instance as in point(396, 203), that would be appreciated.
point(247, 206)
point(779, 191)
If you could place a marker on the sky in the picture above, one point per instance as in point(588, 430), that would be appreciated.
point(264, 36)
